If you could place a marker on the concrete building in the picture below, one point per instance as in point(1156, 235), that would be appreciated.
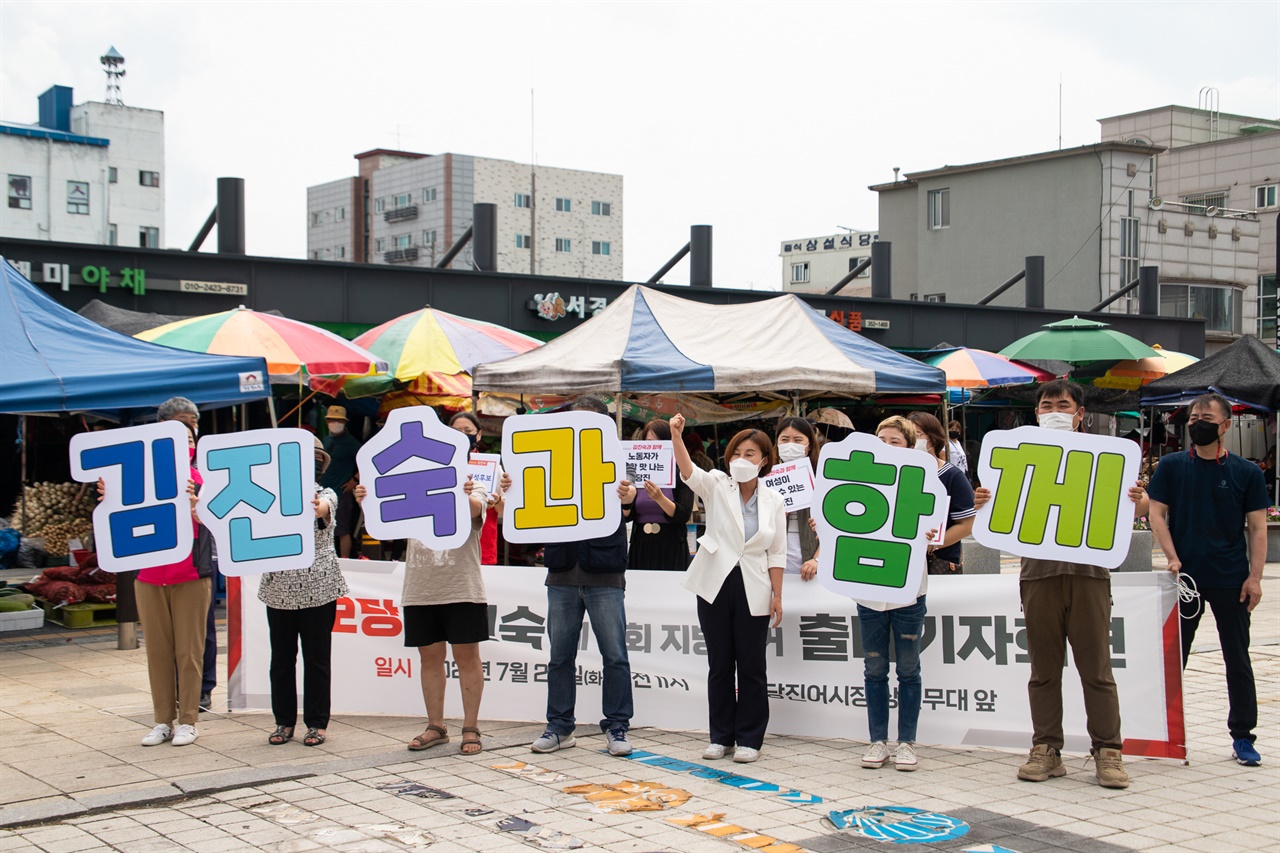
point(91, 173)
point(408, 208)
point(815, 264)
point(1156, 191)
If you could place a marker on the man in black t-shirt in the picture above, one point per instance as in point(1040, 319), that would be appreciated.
point(1200, 501)
point(341, 476)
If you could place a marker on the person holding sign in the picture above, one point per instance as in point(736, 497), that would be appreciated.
point(945, 556)
point(301, 606)
point(737, 576)
point(1064, 602)
point(659, 539)
point(469, 425)
point(796, 440)
point(1198, 501)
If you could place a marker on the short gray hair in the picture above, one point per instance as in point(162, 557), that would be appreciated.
point(588, 403)
point(175, 406)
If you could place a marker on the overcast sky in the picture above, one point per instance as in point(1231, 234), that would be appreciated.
point(765, 120)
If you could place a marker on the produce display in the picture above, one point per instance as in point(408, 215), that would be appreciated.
point(14, 600)
point(56, 512)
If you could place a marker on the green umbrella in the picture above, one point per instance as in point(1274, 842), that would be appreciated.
point(1077, 341)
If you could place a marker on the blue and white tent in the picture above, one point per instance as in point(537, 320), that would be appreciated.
point(650, 341)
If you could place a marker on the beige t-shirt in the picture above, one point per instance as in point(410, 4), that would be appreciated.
point(444, 577)
point(1034, 570)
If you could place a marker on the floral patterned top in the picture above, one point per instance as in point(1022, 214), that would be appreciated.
point(318, 584)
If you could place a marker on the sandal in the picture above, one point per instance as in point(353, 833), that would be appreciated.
point(282, 735)
point(313, 738)
point(471, 742)
point(422, 742)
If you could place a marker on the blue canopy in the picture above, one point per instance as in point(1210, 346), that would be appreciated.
point(54, 360)
point(653, 341)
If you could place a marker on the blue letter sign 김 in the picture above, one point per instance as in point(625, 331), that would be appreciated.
point(144, 520)
point(256, 499)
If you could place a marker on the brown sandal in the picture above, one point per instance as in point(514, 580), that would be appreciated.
point(466, 742)
point(422, 742)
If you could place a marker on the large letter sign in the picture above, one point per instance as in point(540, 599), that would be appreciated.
point(875, 505)
point(1058, 495)
point(413, 471)
point(144, 519)
point(256, 499)
point(565, 469)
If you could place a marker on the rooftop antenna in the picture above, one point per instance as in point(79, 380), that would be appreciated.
point(113, 65)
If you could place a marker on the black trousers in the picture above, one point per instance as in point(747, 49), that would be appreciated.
point(1232, 617)
point(313, 626)
point(736, 643)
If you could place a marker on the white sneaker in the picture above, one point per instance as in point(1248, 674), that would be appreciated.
point(904, 757)
point(715, 751)
point(184, 735)
point(876, 755)
point(745, 754)
point(157, 736)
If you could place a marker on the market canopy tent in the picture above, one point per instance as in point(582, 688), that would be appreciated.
point(650, 341)
point(53, 360)
point(1247, 371)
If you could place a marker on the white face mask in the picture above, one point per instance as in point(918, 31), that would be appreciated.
point(792, 451)
point(922, 444)
point(1058, 420)
point(337, 428)
point(743, 470)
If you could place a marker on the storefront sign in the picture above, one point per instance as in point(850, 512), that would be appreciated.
point(651, 461)
point(131, 278)
point(836, 242)
point(875, 324)
point(553, 306)
point(259, 499)
point(413, 470)
point(851, 320)
point(1058, 495)
point(222, 288)
point(144, 518)
point(794, 481)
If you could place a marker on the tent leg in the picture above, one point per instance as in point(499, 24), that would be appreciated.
point(946, 424)
point(475, 402)
point(271, 405)
point(617, 404)
point(24, 426)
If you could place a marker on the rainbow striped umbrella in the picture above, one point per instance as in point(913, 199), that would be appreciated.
point(293, 349)
point(431, 353)
point(974, 368)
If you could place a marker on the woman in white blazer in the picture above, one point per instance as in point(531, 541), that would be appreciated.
point(737, 576)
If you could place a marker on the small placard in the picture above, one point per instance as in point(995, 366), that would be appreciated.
point(651, 462)
point(794, 481)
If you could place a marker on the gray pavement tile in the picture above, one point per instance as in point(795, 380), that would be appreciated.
point(234, 779)
point(35, 811)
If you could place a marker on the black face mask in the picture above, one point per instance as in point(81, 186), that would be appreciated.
point(1203, 433)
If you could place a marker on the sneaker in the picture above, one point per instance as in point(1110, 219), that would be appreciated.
point(206, 702)
point(745, 754)
point(157, 736)
point(715, 751)
point(1043, 762)
point(1109, 768)
point(1245, 753)
point(876, 755)
point(904, 757)
point(184, 735)
point(550, 742)
point(618, 743)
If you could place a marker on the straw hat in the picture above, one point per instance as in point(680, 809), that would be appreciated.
point(336, 413)
point(323, 464)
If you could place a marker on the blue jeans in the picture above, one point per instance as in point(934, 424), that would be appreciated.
point(605, 608)
point(908, 625)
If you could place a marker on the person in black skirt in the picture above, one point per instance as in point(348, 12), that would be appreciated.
point(659, 538)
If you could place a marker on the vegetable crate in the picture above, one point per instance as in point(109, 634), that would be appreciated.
point(85, 615)
point(22, 620)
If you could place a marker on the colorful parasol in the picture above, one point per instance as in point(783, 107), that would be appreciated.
point(1135, 373)
point(293, 349)
point(974, 368)
point(431, 354)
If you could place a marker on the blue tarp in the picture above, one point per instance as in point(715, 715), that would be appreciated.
point(53, 360)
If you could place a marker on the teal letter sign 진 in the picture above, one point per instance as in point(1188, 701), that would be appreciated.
point(875, 505)
point(1058, 495)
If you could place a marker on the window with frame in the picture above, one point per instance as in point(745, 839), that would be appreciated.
point(1129, 257)
point(112, 175)
point(1264, 196)
point(340, 252)
point(149, 238)
point(20, 192)
point(316, 218)
point(428, 194)
point(523, 241)
point(78, 197)
point(429, 237)
point(563, 205)
point(379, 205)
point(1221, 308)
point(934, 297)
point(563, 244)
point(523, 200)
point(404, 199)
point(1268, 309)
point(1200, 202)
point(402, 241)
point(800, 273)
point(599, 247)
point(939, 209)
point(340, 214)
point(380, 244)
point(601, 208)
point(149, 179)
point(111, 234)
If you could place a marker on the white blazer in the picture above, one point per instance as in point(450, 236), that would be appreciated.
point(722, 546)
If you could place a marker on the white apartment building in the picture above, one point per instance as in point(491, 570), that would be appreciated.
point(409, 208)
point(815, 264)
point(91, 173)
